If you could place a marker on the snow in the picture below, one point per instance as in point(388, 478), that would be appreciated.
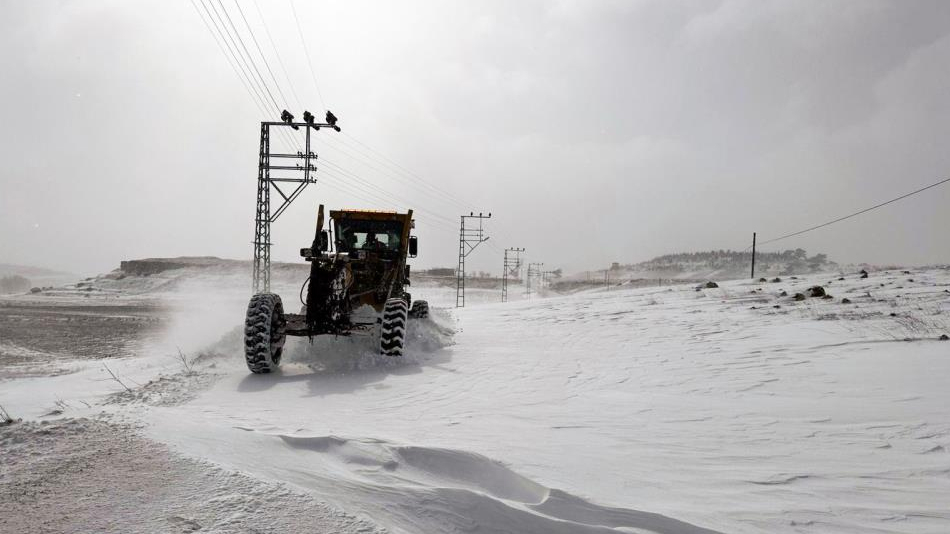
point(664, 409)
point(82, 475)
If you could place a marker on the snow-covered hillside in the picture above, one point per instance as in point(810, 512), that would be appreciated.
point(670, 409)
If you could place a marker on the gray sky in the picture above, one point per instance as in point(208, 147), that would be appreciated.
point(593, 131)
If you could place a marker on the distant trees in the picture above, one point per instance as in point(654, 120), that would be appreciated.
point(14, 284)
point(441, 271)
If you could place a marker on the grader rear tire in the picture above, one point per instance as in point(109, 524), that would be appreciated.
point(264, 334)
point(392, 335)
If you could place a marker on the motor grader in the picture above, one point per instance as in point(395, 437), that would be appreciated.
point(358, 280)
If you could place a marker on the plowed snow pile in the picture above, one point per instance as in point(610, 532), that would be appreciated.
point(668, 410)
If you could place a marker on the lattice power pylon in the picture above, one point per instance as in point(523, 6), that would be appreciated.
point(469, 238)
point(534, 273)
point(512, 268)
point(302, 162)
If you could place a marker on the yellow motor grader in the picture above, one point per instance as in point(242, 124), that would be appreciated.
point(358, 280)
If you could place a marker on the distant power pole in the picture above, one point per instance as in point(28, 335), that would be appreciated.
point(512, 267)
point(544, 277)
point(534, 272)
point(469, 238)
point(301, 161)
point(753, 255)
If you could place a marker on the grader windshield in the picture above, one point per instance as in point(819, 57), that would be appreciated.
point(371, 235)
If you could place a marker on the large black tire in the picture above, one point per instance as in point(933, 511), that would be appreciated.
point(419, 310)
point(392, 336)
point(264, 334)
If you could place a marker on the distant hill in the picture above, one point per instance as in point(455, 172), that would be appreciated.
point(733, 264)
point(37, 276)
point(720, 265)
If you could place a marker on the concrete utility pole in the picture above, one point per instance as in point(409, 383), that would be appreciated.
point(469, 238)
point(512, 267)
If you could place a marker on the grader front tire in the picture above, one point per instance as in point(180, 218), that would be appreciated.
point(264, 334)
point(392, 336)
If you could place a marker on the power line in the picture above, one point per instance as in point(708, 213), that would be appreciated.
point(237, 53)
point(399, 168)
point(348, 188)
point(232, 55)
point(383, 172)
point(839, 219)
point(383, 196)
point(280, 61)
point(214, 20)
point(261, 52)
point(306, 51)
point(390, 195)
point(419, 180)
point(253, 63)
point(234, 67)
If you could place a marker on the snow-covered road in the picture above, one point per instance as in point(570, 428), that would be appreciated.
point(668, 409)
point(595, 411)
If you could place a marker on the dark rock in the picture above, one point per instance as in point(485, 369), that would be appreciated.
point(906, 272)
point(776, 306)
point(783, 294)
point(841, 278)
point(846, 300)
point(711, 285)
point(944, 337)
point(910, 279)
point(35, 290)
point(827, 297)
point(776, 280)
point(762, 280)
point(799, 296)
point(816, 291)
point(893, 314)
point(794, 278)
point(864, 274)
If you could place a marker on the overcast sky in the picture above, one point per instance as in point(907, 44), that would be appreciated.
point(593, 131)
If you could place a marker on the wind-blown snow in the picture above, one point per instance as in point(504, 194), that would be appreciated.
point(668, 410)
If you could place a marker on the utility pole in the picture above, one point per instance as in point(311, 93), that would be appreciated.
point(544, 277)
point(301, 161)
point(753, 255)
point(469, 238)
point(534, 271)
point(513, 267)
